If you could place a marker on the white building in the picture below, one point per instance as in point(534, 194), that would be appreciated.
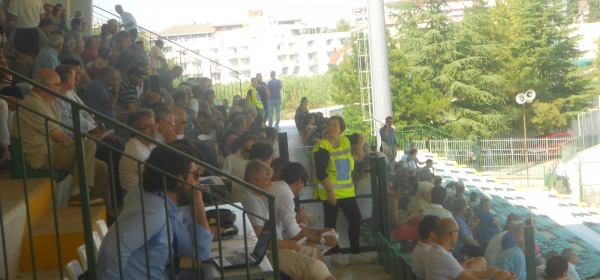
point(261, 45)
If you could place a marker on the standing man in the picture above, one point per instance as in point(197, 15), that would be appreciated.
point(388, 140)
point(157, 57)
point(261, 87)
point(129, 23)
point(274, 94)
point(25, 15)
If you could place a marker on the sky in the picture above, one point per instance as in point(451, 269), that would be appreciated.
point(159, 15)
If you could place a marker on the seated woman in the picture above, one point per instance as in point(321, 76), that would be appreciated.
point(399, 219)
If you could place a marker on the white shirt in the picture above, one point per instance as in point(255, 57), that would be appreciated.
point(285, 217)
point(233, 162)
point(419, 255)
point(572, 273)
point(237, 190)
point(128, 168)
point(156, 54)
point(441, 265)
point(437, 210)
point(255, 204)
point(494, 249)
point(127, 18)
point(27, 12)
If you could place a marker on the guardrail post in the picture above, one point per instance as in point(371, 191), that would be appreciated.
point(530, 253)
point(83, 190)
point(380, 216)
point(284, 151)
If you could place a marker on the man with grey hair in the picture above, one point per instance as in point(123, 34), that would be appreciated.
point(422, 198)
point(137, 148)
point(495, 247)
point(61, 155)
point(129, 23)
point(440, 264)
point(48, 55)
point(572, 258)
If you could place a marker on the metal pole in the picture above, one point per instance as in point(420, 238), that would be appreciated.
point(529, 253)
point(283, 145)
point(380, 81)
point(525, 145)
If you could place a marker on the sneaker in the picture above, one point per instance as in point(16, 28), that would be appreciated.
point(360, 258)
point(340, 259)
point(312, 219)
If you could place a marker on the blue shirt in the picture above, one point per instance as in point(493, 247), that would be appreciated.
point(463, 231)
point(98, 97)
point(46, 58)
point(485, 229)
point(274, 87)
point(388, 138)
point(513, 260)
point(131, 236)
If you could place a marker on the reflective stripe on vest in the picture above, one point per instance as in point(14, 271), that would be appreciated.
point(338, 169)
point(255, 98)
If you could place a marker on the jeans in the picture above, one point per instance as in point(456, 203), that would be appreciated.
point(352, 212)
point(274, 105)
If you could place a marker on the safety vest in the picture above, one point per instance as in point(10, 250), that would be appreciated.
point(255, 98)
point(339, 169)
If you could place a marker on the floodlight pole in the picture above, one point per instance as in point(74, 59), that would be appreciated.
point(525, 144)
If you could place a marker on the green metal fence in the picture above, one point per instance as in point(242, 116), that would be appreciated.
point(83, 183)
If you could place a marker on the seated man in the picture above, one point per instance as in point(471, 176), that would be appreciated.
point(137, 148)
point(293, 178)
point(427, 234)
point(572, 258)
point(101, 95)
point(132, 255)
point(165, 124)
point(298, 262)
point(260, 151)
point(33, 134)
point(422, 198)
point(494, 248)
point(513, 260)
point(440, 264)
point(438, 195)
point(488, 225)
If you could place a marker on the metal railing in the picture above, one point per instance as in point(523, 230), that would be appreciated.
point(227, 82)
point(77, 108)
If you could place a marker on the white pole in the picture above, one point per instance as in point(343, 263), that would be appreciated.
point(380, 83)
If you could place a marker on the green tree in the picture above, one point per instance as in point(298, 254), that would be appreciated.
point(594, 8)
point(343, 25)
point(456, 59)
point(541, 55)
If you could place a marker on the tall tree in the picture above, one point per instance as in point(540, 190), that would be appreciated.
point(456, 58)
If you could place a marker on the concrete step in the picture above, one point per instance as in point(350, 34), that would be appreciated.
point(14, 214)
point(70, 224)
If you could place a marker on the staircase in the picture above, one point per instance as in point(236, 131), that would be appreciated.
point(43, 230)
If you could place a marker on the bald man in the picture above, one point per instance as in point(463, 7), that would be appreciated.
point(441, 265)
point(33, 134)
point(180, 122)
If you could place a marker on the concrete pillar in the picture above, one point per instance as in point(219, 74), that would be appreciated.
point(86, 7)
point(380, 82)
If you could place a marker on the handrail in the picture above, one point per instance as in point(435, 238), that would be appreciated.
point(80, 160)
point(174, 43)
